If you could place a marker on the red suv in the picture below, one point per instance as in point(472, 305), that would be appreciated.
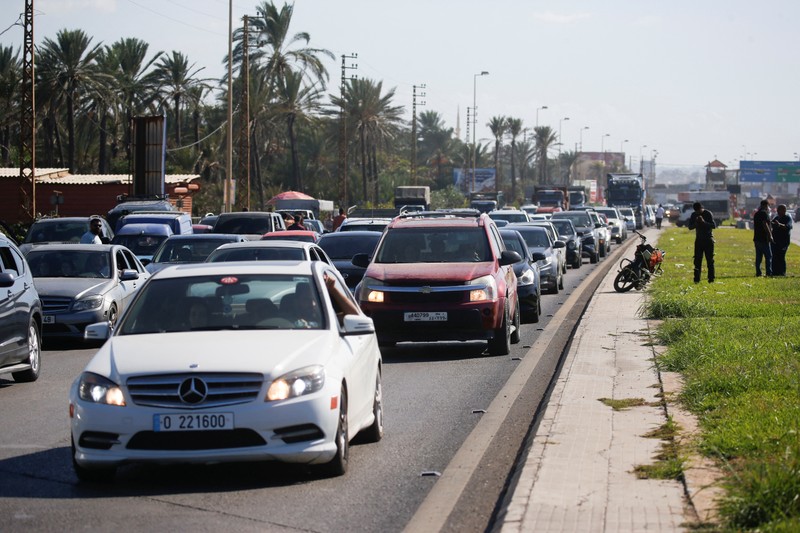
point(442, 279)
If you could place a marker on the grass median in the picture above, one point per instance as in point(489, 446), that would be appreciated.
point(737, 344)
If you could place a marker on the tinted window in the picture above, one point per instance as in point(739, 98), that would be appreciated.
point(434, 245)
point(346, 247)
point(186, 251)
point(258, 254)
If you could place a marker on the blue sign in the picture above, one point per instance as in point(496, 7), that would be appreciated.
point(767, 171)
point(484, 180)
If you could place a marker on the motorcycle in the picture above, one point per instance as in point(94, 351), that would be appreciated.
point(637, 272)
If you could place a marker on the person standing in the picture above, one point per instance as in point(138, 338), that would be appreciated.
point(338, 219)
point(781, 235)
point(659, 216)
point(297, 223)
point(702, 221)
point(93, 236)
point(762, 237)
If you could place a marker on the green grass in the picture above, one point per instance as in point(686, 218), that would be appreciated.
point(737, 344)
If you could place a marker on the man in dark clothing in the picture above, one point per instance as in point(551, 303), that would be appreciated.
point(702, 221)
point(297, 223)
point(762, 237)
point(781, 235)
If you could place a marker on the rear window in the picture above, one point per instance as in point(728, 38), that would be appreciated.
point(257, 254)
point(57, 231)
point(243, 225)
point(434, 245)
point(578, 219)
point(346, 247)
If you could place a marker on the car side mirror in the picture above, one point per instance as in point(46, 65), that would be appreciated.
point(97, 332)
point(6, 279)
point(559, 244)
point(358, 325)
point(509, 257)
point(598, 225)
point(538, 256)
point(360, 260)
point(128, 275)
point(146, 262)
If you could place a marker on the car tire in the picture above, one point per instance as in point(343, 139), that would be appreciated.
point(374, 432)
point(113, 314)
point(561, 282)
point(338, 465)
point(578, 262)
point(595, 257)
point(516, 334)
point(34, 355)
point(501, 343)
point(92, 475)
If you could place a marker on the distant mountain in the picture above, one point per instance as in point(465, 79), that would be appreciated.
point(683, 174)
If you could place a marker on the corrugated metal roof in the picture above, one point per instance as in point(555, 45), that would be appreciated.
point(62, 176)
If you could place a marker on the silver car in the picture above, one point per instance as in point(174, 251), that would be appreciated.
point(81, 284)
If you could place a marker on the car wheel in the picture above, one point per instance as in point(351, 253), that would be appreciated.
point(595, 257)
point(531, 317)
point(501, 343)
point(578, 262)
point(561, 282)
point(113, 314)
point(92, 475)
point(374, 433)
point(515, 335)
point(34, 355)
point(338, 465)
point(602, 251)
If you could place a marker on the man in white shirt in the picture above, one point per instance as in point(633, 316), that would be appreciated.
point(659, 216)
point(93, 235)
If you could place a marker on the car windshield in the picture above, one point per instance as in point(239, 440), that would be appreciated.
point(434, 245)
point(243, 225)
point(261, 253)
point(225, 302)
point(186, 251)
point(288, 236)
point(57, 231)
point(534, 237)
point(564, 227)
point(347, 247)
point(577, 219)
point(69, 264)
point(509, 216)
point(141, 244)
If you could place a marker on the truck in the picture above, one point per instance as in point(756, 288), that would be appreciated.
point(627, 190)
point(718, 202)
point(486, 201)
point(578, 196)
point(418, 196)
point(320, 208)
point(550, 199)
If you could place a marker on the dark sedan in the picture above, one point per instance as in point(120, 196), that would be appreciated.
point(342, 246)
point(568, 234)
point(529, 286)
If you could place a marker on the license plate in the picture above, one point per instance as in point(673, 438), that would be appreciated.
point(423, 316)
point(48, 319)
point(192, 421)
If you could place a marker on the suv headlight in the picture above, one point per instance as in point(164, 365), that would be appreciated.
point(88, 303)
point(369, 294)
point(486, 293)
point(95, 388)
point(303, 381)
point(527, 278)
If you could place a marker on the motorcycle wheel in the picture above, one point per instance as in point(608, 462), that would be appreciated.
point(626, 280)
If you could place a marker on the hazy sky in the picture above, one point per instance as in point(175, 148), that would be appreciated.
point(693, 80)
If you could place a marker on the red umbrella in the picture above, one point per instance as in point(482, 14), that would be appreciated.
point(289, 195)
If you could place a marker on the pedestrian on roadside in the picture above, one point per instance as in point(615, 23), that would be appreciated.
point(762, 238)
point(781, 235)
point(338, 219)
point(659, 216)
point(95, 233)
point(702, 221)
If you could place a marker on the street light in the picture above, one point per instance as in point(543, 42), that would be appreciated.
point(621, 146)
point(560, 142)
point(603, 145)
point(475, 119)
point(537, 114)
point(581, 137)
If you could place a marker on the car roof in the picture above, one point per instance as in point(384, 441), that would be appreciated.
point(272, 243)
point(75, 246)
point(223, 237)
point(440, 221)
point(278, 235)
point(300, 268)
point(144, 228)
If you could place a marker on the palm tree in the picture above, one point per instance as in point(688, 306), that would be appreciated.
point(67, 66)
point(437, 144)
point(372, 117)
point(174, 79)
point(514, 126)
point(545, 137)
point(566, 160)
point(498, 126)
point(10, 80)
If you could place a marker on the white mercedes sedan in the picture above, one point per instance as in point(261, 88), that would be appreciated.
point(224, 362)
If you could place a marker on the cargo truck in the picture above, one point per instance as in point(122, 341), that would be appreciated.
point(627, 190)
point(412, 197)
point(551, 199)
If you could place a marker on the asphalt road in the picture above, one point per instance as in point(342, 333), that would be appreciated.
point(435, 395)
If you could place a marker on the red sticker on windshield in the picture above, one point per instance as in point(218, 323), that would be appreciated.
point(229, 280)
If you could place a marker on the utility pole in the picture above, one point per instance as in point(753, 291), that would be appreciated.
point(27, 135)
point(414, 130)
point(343, 131)
point(243, 185)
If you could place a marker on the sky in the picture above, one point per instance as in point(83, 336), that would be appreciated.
point(684, 81)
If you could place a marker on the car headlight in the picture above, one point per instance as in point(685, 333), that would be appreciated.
point(88, 303)
point(527, 278)
point(303, 381)
point(368, 293)
point(486, 293)
point(98, 389)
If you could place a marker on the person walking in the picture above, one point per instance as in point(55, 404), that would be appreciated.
point(659, 216)
point(338, 219)
point(762, 237)
point(702, 222)
point(93, 236)
point(781, 235)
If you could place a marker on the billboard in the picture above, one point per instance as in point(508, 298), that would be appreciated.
point(484, 180)
point(769, 171)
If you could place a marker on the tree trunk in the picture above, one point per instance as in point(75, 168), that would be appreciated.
point(374, 160)
point(513, 172)
point(177, 99)
point(297, 178)
point(257, 169)
point(363, 138)
point(70, 133)
point(102, 163)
